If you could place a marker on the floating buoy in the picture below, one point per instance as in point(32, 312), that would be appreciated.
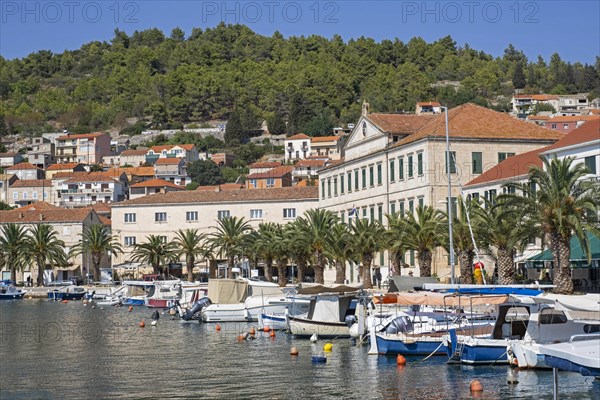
point(84, 302)
point(155, 315)
point(328, 347)
point(130, 309)
point(266, 329)
point(142, 324)
point(240, 338)
point(65, 301)
point(476, 386)
point(252, 331)
point(102, 308)
point(314, 338)
point(294, 351)
point(272, 334)
point(93, 306)
point(172, 311)
point(400, 360)
point(153, 323)
point(217, 327)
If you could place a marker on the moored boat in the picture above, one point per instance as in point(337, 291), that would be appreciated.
point(580, 354)
point(67, 293)
point(8, 291)
point(164, 294)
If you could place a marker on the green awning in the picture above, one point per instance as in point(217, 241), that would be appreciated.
point(578, 256)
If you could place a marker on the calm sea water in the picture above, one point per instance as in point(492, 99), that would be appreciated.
point(53, 350)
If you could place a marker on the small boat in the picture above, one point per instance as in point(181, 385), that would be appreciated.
point(67, 293)
point(136, 292)
point(580, 354)
point(8, 291)
point(164, 294)
point(331, 311)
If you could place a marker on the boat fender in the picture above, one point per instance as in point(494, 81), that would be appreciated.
point(155, 315)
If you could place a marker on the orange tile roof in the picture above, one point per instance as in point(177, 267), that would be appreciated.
point(594, 112)
point(101, 208)
point(63, 166)
point(399, 123)
point(168, 161)
point(134, 152)
point(81, 136)
point(278, 172)
point(241, 195)
point(157, 183)
point(428, 103)
point(22, 166)
point(298, 136)
point(32, 183)
point(9, 154)
point(137, 171)
point(92, 178)
point(158, 149)
point(104, 220)
point(588, 132)
point(310, 163)
point(39, 206)
point(67, 175)
point(573, 118)
point(223, 186)
point(318, 139)
point(45, 216)
point(545, 97)
point(538, 117)
point(266, 164)
point(475, 122)
point(511, 168)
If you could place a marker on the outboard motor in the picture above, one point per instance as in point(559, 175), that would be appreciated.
point(155, 315)
point(400, 325)
point(192, 313)
point(350, 320)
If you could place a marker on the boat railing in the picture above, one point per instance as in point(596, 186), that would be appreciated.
point(584, 336)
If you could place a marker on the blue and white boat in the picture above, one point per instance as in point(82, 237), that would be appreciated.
point(580, 354)
point(8, 291)
point(136, 292)
point(70, 292)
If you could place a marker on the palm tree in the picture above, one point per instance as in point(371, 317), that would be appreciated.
point(367, 239)
point(155, 251)
point(281, 253)
point(395, 241)
point(191, 244)
point(463, 240)
point(561, 204)
point(424, 232)
point(503, 233)
point(230, 240)
point(317, 232)
point(97, 241)
point(339, 249)
point(299, 245)
point(262, 241)
point(44, 247)
point(12, 248)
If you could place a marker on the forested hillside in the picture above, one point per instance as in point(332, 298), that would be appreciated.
point(307, 82)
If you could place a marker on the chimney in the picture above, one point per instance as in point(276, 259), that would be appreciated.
point(41, 217)
point(21, 215)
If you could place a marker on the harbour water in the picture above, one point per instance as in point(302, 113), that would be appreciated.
point(52, 350)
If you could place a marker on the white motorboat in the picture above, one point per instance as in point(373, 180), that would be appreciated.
point(164, 294)
point(8, 291)
point(580, 354)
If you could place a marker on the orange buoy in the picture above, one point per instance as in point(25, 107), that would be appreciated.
point(142, 324)
point(252, 331)
point(400, 360)
point(476, 386)
point(266, 329)
point(130, 308)
point(294, 351)
point(272, 334)
point(218, 327)
point(240, 338)
point(65, 301)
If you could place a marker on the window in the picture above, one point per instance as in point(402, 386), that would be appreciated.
point(411, 206)
point(550, 316)
point(191, 216)
point(401, 168)
point(379, 175)
point(270, 182)
point(452, 162)
point(256, 214)
point(401, 207)
point(252, 183)
point(342, 184)
point(364, 178)
point(476, 161)
point(364, 212)
point(419, 163)
point(323, 189)
point(393, 208)
point(410, 167)
point(380, 212)
point(15, 195)
point(222, 214)
point(329, 187)
point(25, 196)
point(590, 163)
point(371, 179)
point(160, 217)
point(349, 181)
point(163, 239)
point(421, 201)
point(412, 257)
point(504, 156)
point(129, 241)
point(342, 216)
point(553, 126)
point(335, 186)
point(130, 217)
point(392, 171)
point(372, 212)
point(565, 126)
point(34, 195)
point(44, 195)
point(356, 184)
point(289, 213)
point(454, 207)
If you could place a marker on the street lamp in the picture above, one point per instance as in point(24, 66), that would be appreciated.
point(448, 160)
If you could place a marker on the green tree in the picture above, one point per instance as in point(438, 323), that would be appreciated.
point(519, 80)
point(367, 239)
point(230, 240)
point(317, 233)
point(339, 249)
point(463, 240)
point(423, 232)
point(262, 240)
point(97, 241)
point(155, 251)
point(234, 131)
point(299, 246)
point(281, 251)
point(193, 245)
point(395, 241)
point(44, 247)
point(561, 203)
point(13, 252)
point(205, 172)
point(319, 125)
point(276, 124)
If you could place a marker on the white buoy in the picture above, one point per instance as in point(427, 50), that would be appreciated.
point(314, 338)
point(153, 323)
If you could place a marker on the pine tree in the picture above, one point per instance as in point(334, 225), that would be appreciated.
point(276, 125)
point(519, 80)
point(234, 130)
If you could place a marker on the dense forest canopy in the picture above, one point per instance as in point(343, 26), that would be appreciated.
point(307, 82)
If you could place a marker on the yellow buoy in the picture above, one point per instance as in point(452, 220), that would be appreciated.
point(328, 347)
point(400, 360)
point(294, 351)
point(476, 386)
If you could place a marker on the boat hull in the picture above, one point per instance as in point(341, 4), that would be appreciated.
point(277, 322)
point(12, 296)
point(160, 303)
point(392, 344)
point(134, 302)
point(65, 296)
point(484, 352)
point(303, 327)
point(238, 312)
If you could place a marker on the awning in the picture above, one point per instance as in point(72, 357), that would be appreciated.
point(578, 256)
point(439, 299)
point(67, 268)
point(314, 288)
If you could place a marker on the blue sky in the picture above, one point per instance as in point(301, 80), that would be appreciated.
point(570, 28)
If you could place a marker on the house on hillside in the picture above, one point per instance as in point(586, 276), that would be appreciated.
point(87, 148)
point(26, 170)
point(64, 167)
point(152, 186)
point(42, 153)
point(25, 192)
point(9, 159)
point(428, 108)
point(274, 178)
point(173, 170)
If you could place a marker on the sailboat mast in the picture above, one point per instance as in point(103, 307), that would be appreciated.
point(448, 161)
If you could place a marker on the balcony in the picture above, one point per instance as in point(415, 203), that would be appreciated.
point(72, 143)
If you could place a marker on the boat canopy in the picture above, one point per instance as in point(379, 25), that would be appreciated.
point(315, 288)
point(588, 302)
point(227, 291)
point(439, 299)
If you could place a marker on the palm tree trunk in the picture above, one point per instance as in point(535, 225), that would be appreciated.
point(465, 260)
point(190, 268)
point(13, 273)
point(41, 266)
point(96, 258)
point(506, 267)
point(425, 258)
point(340, 271)
point(396, 263)
point(561, 250)
point(366, 272)
point(230, 266)
point(281, 274)
point(301, 268)
point(319, 268)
